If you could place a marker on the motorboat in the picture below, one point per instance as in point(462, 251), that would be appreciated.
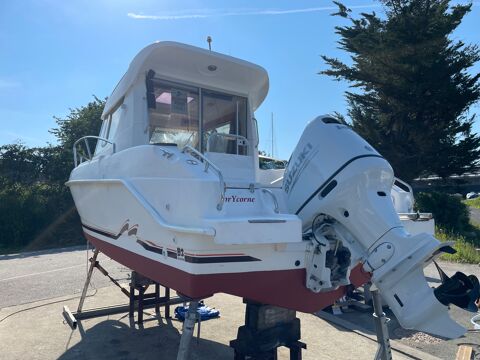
point(415, 222)
point(172, 189)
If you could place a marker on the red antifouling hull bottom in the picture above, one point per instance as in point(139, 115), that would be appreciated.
point(284, 288)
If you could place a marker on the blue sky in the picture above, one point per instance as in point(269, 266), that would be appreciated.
point(54, 55)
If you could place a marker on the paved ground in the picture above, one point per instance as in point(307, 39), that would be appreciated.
point(33, 276)
point(37, 285)
point(474, 214)
point(38, 332)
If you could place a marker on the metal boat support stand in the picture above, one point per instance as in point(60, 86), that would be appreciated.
point(93, 262)
point(141, 283)
point(384, 351)
point(187, 333)
point(140, 302)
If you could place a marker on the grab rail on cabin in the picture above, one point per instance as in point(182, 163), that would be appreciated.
point(208, 164)
point(274, 198)
point(241, 140)
point(87, 146)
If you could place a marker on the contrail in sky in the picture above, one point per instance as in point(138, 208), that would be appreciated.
point(209, 13)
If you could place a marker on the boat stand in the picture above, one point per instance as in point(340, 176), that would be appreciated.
point(136, 302)
point(141, 283)
point(139, 302)
point(187, 332)
point(267, 328)
point(384, 351)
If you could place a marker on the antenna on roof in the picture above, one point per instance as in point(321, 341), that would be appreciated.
point(209, 41)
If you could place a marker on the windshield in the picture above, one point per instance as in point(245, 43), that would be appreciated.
point(173, 114)
point(175, 118)
point(224, 123)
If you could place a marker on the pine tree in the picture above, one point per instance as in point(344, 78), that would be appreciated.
point(411, 86)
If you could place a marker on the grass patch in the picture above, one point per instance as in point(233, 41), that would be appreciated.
point(475, 203)
point(466, 250)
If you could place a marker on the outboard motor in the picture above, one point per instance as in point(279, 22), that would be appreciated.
point(340, 187)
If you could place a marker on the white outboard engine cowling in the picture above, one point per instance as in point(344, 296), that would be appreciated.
point(340, 187)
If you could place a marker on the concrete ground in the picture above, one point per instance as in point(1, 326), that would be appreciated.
point(35, 286)
point(38, 331)
point(33, 276)
point(474, 214)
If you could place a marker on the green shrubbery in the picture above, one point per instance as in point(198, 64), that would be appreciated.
point(36, 208)
point(450, 213)
point(28, 211)
point(466, 250)
point(452, 224)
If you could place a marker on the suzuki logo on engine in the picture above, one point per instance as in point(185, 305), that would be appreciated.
point(294, 171)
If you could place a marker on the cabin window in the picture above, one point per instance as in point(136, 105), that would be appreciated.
point(108, 130)
point(174, 113)
point(101, 145)
point(114, 120)
point(175, 117)
point(224, 123)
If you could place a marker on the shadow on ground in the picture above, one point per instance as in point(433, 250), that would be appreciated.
point(23, 255)
point(113, 339)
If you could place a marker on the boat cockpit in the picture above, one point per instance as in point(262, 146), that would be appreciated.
point(204, 102)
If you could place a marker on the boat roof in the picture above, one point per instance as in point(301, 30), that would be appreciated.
point(185, 63)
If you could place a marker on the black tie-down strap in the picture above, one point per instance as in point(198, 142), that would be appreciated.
point(460, 290)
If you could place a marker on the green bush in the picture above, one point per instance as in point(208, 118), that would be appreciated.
point(466, 250)
point(450, 213)
point(37, 216)
point(36, 208)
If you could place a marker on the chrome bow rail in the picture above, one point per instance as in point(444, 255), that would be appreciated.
point(208, 164)
point(404, 184)
point(87, 146)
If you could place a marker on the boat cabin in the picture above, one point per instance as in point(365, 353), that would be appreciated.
point(176, 95)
